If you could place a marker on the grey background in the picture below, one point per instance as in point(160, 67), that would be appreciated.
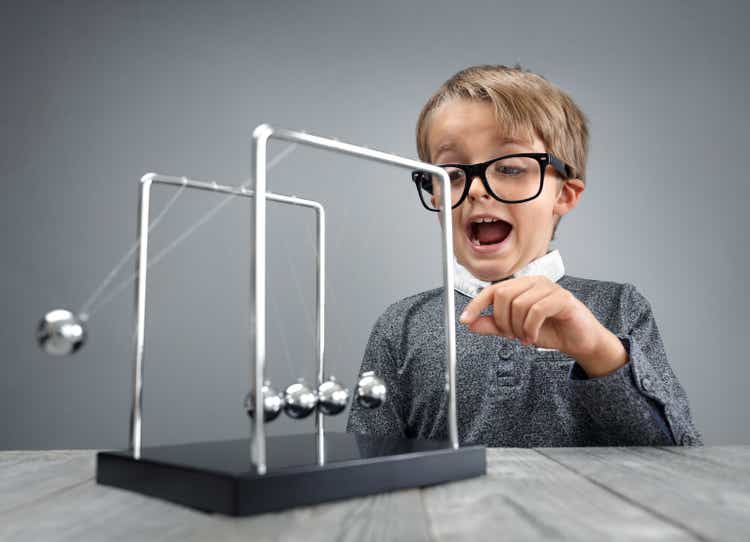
point(95, 94)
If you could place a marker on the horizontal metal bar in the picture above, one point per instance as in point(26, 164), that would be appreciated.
point(240, 191)
point(354, 150)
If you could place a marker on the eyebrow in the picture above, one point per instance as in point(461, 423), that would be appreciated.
point(449, 145)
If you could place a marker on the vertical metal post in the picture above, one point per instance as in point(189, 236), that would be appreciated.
point(136, 411)
point(258, 288)
point(320, 266)
point(449, 309)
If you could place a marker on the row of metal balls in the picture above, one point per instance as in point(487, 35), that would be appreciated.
point(300, 400)
point(61, 333)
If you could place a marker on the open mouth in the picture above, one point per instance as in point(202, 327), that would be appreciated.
point(486, 231)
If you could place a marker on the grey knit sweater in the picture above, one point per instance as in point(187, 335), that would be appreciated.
point(510, 394)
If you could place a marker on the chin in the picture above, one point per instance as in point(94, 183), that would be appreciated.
point(490, 273)
point(486, 270)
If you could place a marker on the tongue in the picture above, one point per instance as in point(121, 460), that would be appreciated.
point(489, 233)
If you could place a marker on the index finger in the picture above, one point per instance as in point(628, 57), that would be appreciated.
point(486, 298)
point(478, 304)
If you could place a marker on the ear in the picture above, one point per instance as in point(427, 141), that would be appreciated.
point(568, 195)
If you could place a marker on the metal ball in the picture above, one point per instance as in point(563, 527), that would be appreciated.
point(299, 400)
point(371, 390)
point(60, 333)
point(273, 403)
point(332, 397)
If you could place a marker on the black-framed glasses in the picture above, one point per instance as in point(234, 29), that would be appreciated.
point(512, 178)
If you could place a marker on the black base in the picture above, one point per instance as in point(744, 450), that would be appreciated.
point(218, 476)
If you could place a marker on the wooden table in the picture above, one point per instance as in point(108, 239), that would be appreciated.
point(668, 493)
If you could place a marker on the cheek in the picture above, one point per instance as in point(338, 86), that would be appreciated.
point(549, 195)
point(456, 224)
point(456, 217)
point(533, 222)
point(457, 227)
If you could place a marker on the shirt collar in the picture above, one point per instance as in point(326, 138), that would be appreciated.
point(550, 265)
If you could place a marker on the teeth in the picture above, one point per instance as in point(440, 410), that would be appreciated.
point(472, 239)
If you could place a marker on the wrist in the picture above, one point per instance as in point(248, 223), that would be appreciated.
point(608, 355)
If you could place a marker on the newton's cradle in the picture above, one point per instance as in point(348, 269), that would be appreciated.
point(263, 474)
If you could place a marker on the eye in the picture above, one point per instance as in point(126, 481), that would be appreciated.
point(455, 174)
point(509, 170)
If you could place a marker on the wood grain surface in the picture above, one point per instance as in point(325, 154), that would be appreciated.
point(624, 493)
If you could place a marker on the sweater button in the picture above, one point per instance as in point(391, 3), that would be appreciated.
point(506, 351)
point(686, 440)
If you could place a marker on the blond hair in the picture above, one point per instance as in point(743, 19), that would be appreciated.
point(526, 104)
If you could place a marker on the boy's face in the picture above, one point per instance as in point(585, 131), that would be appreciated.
point(466, 132)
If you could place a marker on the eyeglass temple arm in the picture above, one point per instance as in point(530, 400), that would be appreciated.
point(561, 167)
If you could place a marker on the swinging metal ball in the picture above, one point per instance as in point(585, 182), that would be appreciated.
point(299, 400)
point(60, 333)
point(332, 397)
point(371, 390)
point(273, 403)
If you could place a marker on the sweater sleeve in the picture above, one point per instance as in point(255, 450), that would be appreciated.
point(642, 402)
point(387, 419)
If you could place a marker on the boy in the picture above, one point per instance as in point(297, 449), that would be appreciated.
point(543, 358)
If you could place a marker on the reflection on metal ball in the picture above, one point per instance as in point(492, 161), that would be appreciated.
point(332, 397)
point(60, 333)
point(371, 390)
point(273, 403)
point(299, 400)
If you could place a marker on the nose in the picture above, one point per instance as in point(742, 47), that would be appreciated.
point(476, 188)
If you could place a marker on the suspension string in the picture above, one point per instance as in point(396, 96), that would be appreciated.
point(284, 342)
point(345, 218)
point(122, 286)
point(159, 256)
point(300, 294)
point(84, 312)
point(329, 296)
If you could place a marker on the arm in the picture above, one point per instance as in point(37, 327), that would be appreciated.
point(386, 419)
point(642, 402)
